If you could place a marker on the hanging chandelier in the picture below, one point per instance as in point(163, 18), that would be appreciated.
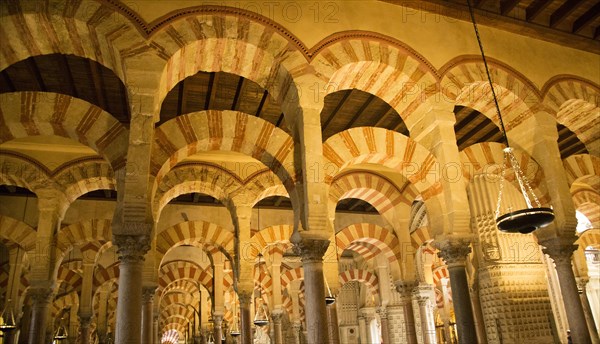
point(329, 298)
point(7, 318)
point(534, 216)
point(61, 332)
point(260, 318)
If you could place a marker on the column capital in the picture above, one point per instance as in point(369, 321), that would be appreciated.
point(382, 311)
point(148, 294)
point(41, 294)
point(131, 248)
point(405, 288)
point(311, 250)
point(85, 320)
point(560, 249)
point(454, 251)
point(217, 318)
point(421, 300)
point(582, 283)
point(245, 297)
point(277, 315)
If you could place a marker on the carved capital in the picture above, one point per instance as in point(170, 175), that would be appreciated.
point(582, 283)
point(559, 249)
point(277, 315)
point(311, 250)
point(217, 319)
point(422, 300)
point(245, 297)
point(405, 288)
point(148, 294)
point(382, 311)
point(41, 294)
point(85, 320)
point(131, 248)
point(453, 252)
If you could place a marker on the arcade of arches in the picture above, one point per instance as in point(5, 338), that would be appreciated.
point(169, 170)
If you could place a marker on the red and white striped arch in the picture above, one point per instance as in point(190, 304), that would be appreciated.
point(15, 232)
point(393, 150)
point(195, 233)
point(95, 31)
point(580, 166)
point(575, 103)
point(374, 189)
point(85, 176)
point(268, 236)
point(23, 171)
point(106, 274)
point(463, 79)
point(215, 130)
point(98, 231)
point(287, 276)
point(590, 237)
point(266, 56)
point(177, 270)
point(377, 64)
point(363, 276)
point(24, 114)
point(488, 158)
point(372, 234)
point(67, 274)
point(69, 300)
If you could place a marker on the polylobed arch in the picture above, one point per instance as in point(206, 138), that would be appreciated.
point(363, 276)
point(26, 114)
point(393, 150)
point(488, 158)
point(226, 130)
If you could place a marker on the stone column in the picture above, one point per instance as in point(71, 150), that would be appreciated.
point(131, 251)
point(405, 289)
point(425, 328)
point(561, 251)
point(297, 329)
point(385, 330)
point(277, 330)
point(587, 309)
point(312, 251)
point(332, 322)
point(217, 329)
point(454, 253)
point(84, 328)
point(245, 322)
point(155, 331)
point(147, 313)
point(362, 330)
point(41, 297)
point(15, 259)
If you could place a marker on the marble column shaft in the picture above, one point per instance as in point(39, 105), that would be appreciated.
point(131, 251)
point(561, 252)
point(217, 327)
point(245, 321)
point(405, 289)
point(42, 297)
point(278, 331)
point(332, 321)
point(385, 330)
point(147, 313)
point(454, 254)
point(84, 328)
point(312, 251)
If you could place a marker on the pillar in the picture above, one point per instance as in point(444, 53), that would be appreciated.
point(561, 251)
point(311, 252)
point(217, 326)
point(131, 251)
point(155, 331)
point(13, 302)
point(332, 322)
point(423, 315)
point(41, 297)
point(245, 296)
point(405, 289)
point(84, 328)
point(277, 330)
point(587, 309)
point(297, 329)
point(362, 329)
point(454, 253)
point(147, 313)
point(385, 330)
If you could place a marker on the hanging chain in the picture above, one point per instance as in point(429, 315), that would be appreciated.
point(523, 181)
point(487, 71)
point(502, 174)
